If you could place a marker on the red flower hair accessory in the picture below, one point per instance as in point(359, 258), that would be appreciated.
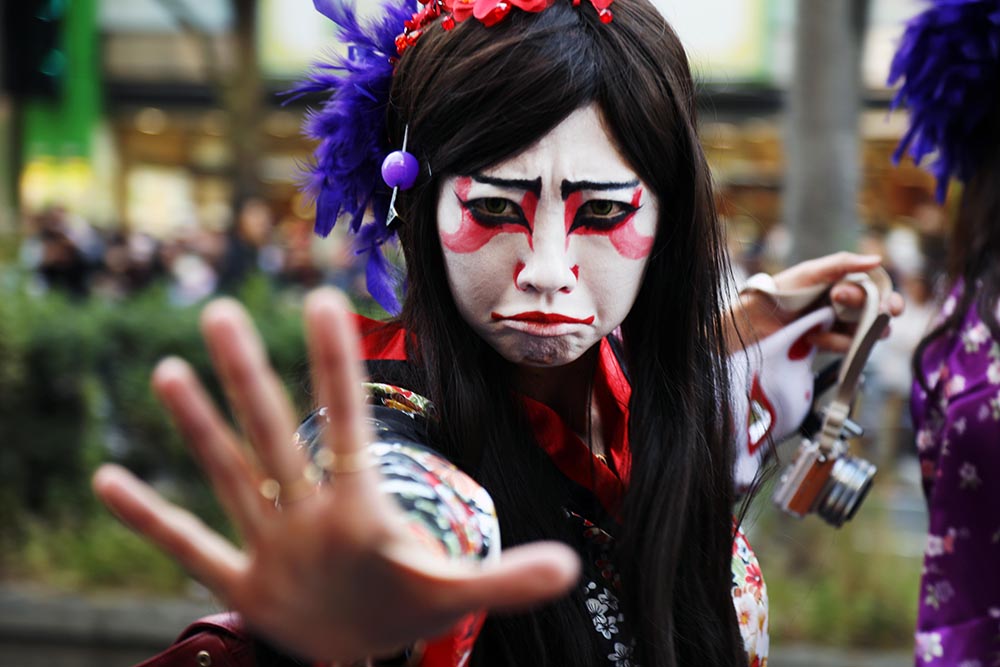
point(488, 12)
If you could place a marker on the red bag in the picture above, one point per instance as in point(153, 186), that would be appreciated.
point(219, 640)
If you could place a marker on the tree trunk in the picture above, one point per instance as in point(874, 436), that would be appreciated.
point(822, 137)
point(243, 100)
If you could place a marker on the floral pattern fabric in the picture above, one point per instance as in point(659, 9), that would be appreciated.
point(957, 424)
point(600, 584)
point(442, 507)
point(750, 599)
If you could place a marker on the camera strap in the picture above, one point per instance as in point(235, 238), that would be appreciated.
point(871, 322)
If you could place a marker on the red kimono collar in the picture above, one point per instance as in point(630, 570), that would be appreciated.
point(572, 455)
point(386, 341)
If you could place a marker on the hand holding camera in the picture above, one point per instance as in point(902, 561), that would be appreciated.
point(824, 477)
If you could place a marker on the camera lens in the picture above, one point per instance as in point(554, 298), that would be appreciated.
point(847, 486)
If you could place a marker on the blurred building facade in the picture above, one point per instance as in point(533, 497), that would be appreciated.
point(164, 116)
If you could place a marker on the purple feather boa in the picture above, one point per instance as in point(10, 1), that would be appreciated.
point(345, 176)
point(949, 61)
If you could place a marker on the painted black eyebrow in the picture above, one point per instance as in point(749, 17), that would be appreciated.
point(533, 186)
point(569, 187)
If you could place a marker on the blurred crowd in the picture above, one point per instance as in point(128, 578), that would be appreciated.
point(63, 252)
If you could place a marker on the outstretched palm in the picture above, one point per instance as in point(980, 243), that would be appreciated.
point(331, 573)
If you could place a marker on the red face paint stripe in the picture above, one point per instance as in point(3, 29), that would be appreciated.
point(471, 235)
point(573, 203)
point(529, 204)
point(517, 272)
point(626, 239)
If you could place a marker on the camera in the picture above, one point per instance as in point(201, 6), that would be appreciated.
point(824, 478)
point(827, 481)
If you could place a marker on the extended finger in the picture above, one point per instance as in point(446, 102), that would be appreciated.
point(211, 440)
point(334, 350)
point(254, 390)
point(827, 269)
point(201, 551)
point(524, 577)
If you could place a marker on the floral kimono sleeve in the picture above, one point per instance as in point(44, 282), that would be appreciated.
point(750, 600)
point(442, 506)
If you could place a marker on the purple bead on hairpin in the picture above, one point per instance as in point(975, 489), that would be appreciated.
point(399, 171)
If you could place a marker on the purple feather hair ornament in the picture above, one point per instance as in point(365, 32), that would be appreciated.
point(345, 176)
point(949, 61)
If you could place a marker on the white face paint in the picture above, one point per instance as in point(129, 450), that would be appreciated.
point(545, 252)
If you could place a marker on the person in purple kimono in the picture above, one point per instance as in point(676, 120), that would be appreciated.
point(949, 61)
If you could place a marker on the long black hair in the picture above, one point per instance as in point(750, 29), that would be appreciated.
point(974, 246)
point(474, 96)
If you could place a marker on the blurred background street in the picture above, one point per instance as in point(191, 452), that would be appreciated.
point(148, 162)
point(39, 629)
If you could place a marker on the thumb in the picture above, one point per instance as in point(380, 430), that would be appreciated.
point(523, 577)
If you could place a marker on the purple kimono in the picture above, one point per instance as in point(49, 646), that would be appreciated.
point(958, 440)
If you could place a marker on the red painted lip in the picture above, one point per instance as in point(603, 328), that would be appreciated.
point(539, 317)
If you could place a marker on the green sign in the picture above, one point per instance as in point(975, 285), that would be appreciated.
point(63, 126)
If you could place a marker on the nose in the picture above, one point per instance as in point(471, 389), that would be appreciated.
point(547, 268)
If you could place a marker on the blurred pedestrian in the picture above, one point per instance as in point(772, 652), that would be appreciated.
point(58, 262)
point(249, 246)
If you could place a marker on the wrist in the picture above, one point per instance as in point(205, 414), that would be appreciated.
point(754, 304)
point(760, 283)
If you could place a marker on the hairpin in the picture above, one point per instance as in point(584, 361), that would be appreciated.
point(399, 171)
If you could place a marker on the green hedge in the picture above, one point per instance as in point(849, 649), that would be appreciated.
point(74, 391)
point(850, 586)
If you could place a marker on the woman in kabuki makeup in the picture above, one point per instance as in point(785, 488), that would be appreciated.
point(556, 376)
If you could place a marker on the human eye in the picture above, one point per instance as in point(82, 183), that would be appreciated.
point(495, 211)
point(602, 215)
